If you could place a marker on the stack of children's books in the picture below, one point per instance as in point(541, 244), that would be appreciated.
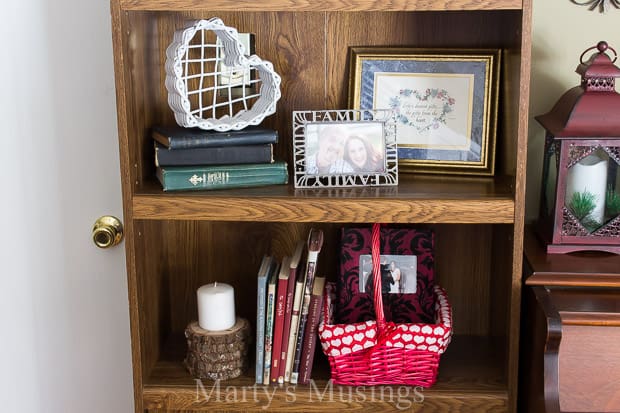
point(289, 303)
point(196, 159)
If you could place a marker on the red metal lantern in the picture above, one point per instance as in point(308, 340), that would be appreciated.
point(580, 197)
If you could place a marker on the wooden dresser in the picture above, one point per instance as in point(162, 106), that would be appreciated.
point(570, 342)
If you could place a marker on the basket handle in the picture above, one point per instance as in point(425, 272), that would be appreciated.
point(376, 275)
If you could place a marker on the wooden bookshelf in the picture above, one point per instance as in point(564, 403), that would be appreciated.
point(177, 241)
point(471, 379)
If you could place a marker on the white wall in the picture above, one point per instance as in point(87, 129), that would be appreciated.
point(561, 32)
point(64, 324)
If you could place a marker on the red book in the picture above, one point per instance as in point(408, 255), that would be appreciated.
point(310, 335)
point(278, 328)
point(288, 312)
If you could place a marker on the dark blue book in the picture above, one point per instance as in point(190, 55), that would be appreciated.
point(176, 137)
point(264, 272)
point(219, 155)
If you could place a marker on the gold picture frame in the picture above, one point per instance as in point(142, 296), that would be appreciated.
point(445, 102)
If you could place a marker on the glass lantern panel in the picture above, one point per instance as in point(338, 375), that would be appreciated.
point(550, 178)
point(592, 192)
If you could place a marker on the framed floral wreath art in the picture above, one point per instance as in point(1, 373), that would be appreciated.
point(444, 101)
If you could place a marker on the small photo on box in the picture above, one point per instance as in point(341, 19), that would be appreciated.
point(398, 274)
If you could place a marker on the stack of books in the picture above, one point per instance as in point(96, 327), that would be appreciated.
point(289, 304)
point(196, 159)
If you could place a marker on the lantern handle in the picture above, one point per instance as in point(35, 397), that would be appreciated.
point(602, 47)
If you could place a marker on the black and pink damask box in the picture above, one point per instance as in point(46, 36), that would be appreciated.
point(407, 271)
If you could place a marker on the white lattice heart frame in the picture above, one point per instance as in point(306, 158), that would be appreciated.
point(178, 92)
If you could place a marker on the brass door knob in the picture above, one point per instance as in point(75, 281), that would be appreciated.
point(107, 231)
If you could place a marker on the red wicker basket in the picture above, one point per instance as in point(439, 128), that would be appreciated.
point(376, 352)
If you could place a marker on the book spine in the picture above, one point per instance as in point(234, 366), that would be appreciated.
point(261, 297)
point(315, 242)
point(225, 155)
point(202, 139)
point(288, 314)
point(227, 176)
point(260, 331)
point(282, 289)
point(292, 340)
point(303, 318)
point(310, 336)
point(271, 297)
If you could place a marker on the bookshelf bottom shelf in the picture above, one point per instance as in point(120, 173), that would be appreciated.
point(471, 379)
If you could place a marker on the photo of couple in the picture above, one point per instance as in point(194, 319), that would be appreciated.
point(398, 274)
point(354, 148)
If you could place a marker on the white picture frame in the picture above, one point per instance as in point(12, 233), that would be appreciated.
point(344, 148)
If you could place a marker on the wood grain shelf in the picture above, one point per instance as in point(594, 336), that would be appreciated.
point(471, 378)
point(320, 5)
point(422, 199)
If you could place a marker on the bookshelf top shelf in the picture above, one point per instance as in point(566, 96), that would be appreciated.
point(319, 5)
point(417, 199)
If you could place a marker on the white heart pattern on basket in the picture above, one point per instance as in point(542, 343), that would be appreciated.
point(340, 340)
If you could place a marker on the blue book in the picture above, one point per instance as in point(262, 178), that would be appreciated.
point(217, 155)
point(269, 320)
point(261, 304)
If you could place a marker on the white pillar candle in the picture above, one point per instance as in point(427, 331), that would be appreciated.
point(589, 174)
point(216, 306)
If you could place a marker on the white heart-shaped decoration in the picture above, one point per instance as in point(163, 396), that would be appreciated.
point(338, 331)
point(399, 344)
point(198, 80)
point(431, 340)
point(438, 331)
point(347, 340)
point(410, 347)
point(407, 337)
point(361, 327)
point(371, 333)
point(326, 334)
point(418, 339)
point(336, 342)
point(433, 349)
point(349, 328)
point(396, 337)
point(335, 352)
point(388, 343)
point(358, 337)
point(427, 330)
point(414, 328)
point(368, 344)
point(357, 347)
point(345, 350)
point(422, 347)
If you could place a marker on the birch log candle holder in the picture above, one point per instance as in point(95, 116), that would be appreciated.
point(217, 355)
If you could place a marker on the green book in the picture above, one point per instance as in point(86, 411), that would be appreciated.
point(177, 178)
